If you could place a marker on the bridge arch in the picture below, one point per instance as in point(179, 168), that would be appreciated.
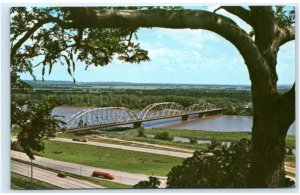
point(101, 116)
point(200, 105)
point(160, 110)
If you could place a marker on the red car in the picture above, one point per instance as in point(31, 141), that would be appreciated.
point(103, 175)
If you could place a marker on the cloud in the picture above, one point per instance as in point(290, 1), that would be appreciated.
point(188, 37)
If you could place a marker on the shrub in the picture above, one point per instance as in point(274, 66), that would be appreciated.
point(193, 140)
point(214, 143)
point(152, 183)
point(163, 136)
point(227, 168)
point(141, 132)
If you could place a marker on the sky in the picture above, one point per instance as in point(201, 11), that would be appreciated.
point(179, 56)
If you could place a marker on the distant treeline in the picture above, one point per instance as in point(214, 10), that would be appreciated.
point(233, 101)
point(242, 95)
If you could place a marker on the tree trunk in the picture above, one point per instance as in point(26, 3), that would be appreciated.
point(268, 152)
point(272, 117)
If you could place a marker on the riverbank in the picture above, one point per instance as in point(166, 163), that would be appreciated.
point(132, 135)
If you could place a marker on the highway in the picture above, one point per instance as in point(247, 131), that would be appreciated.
point(120, 177)
point(51, 177)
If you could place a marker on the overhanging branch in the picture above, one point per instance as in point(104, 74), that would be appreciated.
point(240, 12)
point(91, 17)
point(38, 25)
point(16, 46)
point(177, 19)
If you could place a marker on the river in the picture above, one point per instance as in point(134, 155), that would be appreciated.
point(228, 123)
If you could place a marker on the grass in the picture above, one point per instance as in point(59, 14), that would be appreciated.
point(110, 158)
point(97, 181)
point(195, 134)
point(132, 135)
point(178, 145)
point(291, 174)
point(20, 182)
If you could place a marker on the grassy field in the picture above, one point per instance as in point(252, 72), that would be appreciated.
point(132, 137)
point(20, 182)
point(123, 160)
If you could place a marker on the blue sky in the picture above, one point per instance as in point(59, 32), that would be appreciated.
point(180, 56)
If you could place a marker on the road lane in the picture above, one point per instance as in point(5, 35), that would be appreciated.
point(51, 177)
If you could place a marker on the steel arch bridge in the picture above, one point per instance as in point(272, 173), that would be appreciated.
point(114, 116)
point(101, 116)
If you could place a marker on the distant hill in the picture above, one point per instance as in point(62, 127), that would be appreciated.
point(40, 83)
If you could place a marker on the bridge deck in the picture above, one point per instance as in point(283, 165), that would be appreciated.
point(141, 121)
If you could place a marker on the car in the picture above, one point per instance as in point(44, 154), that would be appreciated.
point(104, 175)
point(76, 139)
point(80, 140)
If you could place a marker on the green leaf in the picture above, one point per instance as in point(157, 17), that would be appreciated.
point(50, 66)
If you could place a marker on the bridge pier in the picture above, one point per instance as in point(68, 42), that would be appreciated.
point(185, 117)
point(137, 125)
point(201, 115)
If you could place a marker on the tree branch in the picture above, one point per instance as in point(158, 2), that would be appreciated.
point(176, 19)
point(40, 23)
point(16, 46)
point(286, 34)
point(240, 12)
point(288, 109)
point(264, 24)
point(90, 17)
point(129, 39)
